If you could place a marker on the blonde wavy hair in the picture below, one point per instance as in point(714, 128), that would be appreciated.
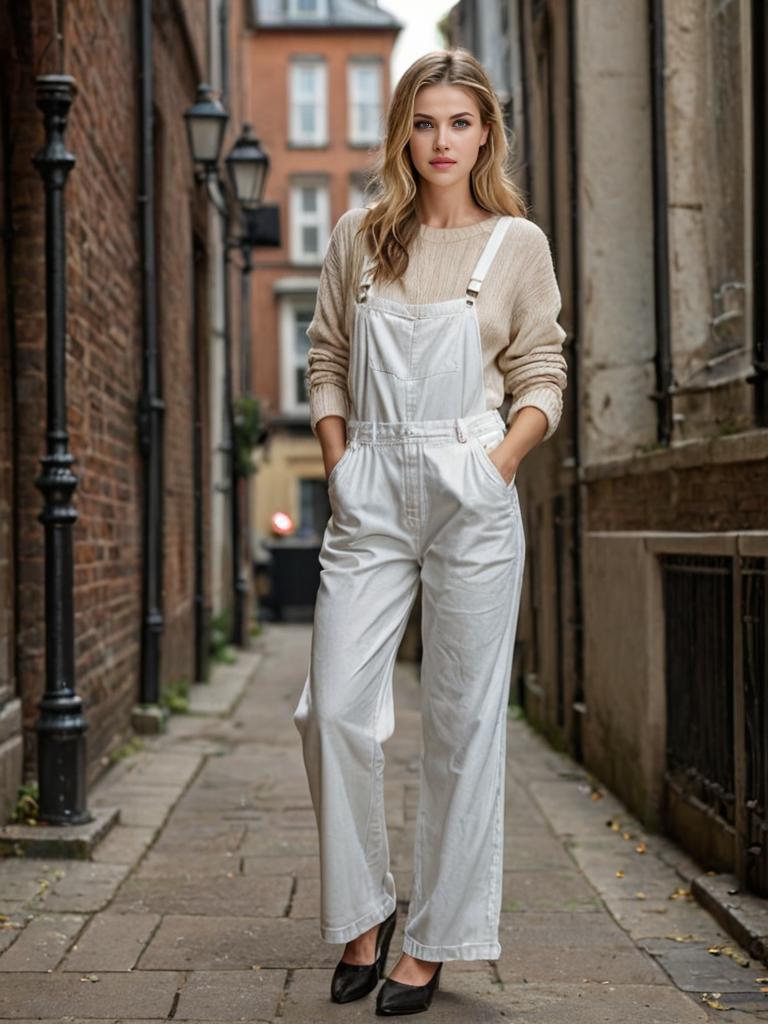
point(392, 222)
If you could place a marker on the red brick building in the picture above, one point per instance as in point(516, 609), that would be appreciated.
point(318, 84)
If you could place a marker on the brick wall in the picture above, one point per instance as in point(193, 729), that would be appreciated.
point(104, 359)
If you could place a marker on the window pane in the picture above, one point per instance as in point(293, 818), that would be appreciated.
point(309, 199)
point(307, 79)
point(303, 320)
point(365, 99)
point(310, 238)
point(367, 83)
point(301, 386)
point(307, 120)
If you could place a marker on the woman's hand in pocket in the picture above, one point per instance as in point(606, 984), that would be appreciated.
point(330, 463)
point(331, 430)
point(506, 462)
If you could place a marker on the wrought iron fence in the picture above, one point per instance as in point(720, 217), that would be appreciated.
point(754, 575)
point(716, 629)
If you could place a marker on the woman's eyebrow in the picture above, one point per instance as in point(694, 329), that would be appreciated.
point(462, 113)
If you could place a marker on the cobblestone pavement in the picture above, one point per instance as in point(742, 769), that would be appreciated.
point(203, 903)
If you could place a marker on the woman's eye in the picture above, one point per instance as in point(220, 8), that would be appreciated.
point(459, 120)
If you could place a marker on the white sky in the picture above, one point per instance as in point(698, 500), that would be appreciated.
point(420, 34)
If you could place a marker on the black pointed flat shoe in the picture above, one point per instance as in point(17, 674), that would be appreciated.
point(396, 997)
point(353, 981)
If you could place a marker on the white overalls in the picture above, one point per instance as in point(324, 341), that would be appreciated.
point(415, 494)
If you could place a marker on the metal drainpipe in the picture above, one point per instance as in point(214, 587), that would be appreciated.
point(151, 405)
point(201, 632)
point(527, 147)
point(239, 581)
point(576, 505)
point(760, 246)
point(663, 357)
point(8, 235)
point(224, 49)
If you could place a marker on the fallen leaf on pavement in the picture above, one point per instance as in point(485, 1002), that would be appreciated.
point(713, 999)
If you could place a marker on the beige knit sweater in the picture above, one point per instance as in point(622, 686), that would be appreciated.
point(517, 308)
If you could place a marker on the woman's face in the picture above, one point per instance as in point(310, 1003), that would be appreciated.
point(446, 126)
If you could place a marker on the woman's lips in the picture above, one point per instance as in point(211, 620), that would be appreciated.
point(442, 163)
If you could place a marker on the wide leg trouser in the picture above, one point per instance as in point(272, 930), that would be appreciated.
point(438, 509)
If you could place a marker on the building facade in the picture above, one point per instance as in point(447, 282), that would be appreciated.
point(143, 361)
point(318, 86)
point(641, 135)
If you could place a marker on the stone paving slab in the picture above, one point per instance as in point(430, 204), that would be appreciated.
point(694, 969)
point(303, 867)
point(103, 995)
point(201, 838)
point(234, 895)
point(21, 879)
point(13, 919)
point(79, 886)
point(42, 944)
point(664, 918)
point(187, 943)
point(222, 697)
point(111, 942)
point(533, 852)
point(560, 889)
point(125, 844)
point(588, 947)
point(184, 866)
point(231, 995)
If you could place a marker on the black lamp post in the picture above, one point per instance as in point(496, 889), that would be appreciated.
point(247, 166)
point(61, 725)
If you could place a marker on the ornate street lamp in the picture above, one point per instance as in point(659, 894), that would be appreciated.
point(206, 124)
point(61, 725)
point(247, 166)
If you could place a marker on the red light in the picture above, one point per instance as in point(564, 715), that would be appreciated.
point(282, 524)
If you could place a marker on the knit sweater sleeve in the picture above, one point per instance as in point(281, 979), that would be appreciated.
point(534, 368)
point(328, 353)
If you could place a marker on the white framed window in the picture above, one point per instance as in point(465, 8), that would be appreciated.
point(308, 102)
point(310, 220)
point(296, 313)
point(364, 81)
point(301, 9)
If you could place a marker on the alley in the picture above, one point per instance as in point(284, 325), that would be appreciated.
point(202, 904)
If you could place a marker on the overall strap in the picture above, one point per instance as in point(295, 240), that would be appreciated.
point(365, 273)
point(486, 257)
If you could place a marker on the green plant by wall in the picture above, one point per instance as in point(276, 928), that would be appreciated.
point(249, 426)
point(27, 804)
point(221, 650)
point(131, 746)
point(175, 696)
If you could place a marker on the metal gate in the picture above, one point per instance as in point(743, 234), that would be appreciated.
point(716, 631)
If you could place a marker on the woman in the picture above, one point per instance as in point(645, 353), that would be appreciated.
point(432, 305)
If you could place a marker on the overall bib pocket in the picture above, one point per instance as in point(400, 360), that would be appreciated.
point(410, 350)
